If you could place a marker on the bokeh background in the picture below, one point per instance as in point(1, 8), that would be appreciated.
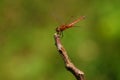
point(27, 50)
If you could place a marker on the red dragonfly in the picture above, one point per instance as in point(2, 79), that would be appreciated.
point(64, 27)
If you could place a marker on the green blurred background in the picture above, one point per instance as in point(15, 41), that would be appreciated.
point(27, 50)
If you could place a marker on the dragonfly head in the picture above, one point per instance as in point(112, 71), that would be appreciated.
point(57, 29)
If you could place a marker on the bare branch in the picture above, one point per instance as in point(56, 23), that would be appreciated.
point(68, 64)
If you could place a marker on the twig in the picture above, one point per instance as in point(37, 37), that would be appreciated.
point(68, 64)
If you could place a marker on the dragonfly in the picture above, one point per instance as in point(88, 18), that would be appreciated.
point(61, 28)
